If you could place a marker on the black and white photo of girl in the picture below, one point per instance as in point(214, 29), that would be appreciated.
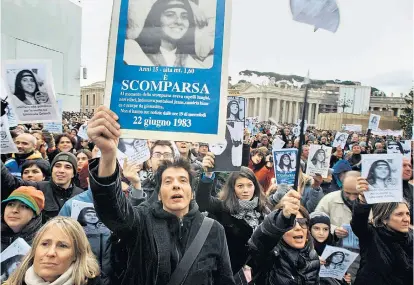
point(340, 140)
point(373, 122)
point(90, 222)
point(9, 265)
point(318, 159)
point(168, 34)
point(26, 89)
point(229, 153)
point(380, 175)
point(335, 260)
point(286, 163)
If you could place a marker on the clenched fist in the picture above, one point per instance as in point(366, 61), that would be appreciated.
point(290, 203)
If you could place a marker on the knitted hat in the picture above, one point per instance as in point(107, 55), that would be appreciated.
point(319, 217)
point(30, 196)
point(203, 144)
point(66, 156)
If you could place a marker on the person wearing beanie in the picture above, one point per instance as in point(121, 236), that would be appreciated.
point(320, 227)
point(57, 190)
point(21, 215)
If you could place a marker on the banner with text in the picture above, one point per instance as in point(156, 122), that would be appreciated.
point(167, 68)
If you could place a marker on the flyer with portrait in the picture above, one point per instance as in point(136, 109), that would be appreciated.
point(338, 260)
point(85, 214)
point(6, 140)
point(136, 150)
point(340, 140)
point(374, 122)
point(12, 256)
point(31, 84)
point(383, 173)
point(55, 127)
point(318, 160)
point(229, 152)
point(284, 161)
point(167, 72)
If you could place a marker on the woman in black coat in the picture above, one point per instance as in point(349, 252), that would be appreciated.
point(281, 247)
point(240, 208)
point(386, 244)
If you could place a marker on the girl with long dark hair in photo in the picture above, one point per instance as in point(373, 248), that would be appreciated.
point(379, 175)
point(167, 37)
point(240, 207)
point(233, 109)
point(318, 159)
point(285, 163)
point(25, 87)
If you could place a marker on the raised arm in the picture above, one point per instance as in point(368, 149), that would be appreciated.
point(204, 199)
point(360, 214)
point(113, 208)
point(272, 229)
point(9, 183)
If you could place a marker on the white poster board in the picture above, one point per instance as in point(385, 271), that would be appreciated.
point(338, 260)
point(383, 173)
point(374, 122)
point(318, 160)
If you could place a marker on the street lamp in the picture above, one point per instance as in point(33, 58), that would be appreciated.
point(344, 103)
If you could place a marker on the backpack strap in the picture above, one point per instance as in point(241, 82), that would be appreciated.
point(180, 273)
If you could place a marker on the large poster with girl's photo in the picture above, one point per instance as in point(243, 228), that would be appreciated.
point(167, 68)
point(318, 160)
point(31, 84)
point(284, 161)
point(383, 173)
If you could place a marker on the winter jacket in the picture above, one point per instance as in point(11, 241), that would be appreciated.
point(55, 196)
point(264, 175)
point(14, 164)
point(311, 197)
point(386, 255)
point(237, 231)
point(155, 239)
point(333, 205)
point(276, 260)
point(27, 233)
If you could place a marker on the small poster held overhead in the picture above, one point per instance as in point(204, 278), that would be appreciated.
point(229, 152)
point(318, 160)
point(284, 161)
point(383, 173)
point(374, 122)
point(338, 260)
point(31, 83)
point(340, 140)
point(137, 151)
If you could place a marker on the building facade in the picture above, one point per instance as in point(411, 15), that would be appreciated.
point(92, 96)
point(46, 29)
point(285, 105)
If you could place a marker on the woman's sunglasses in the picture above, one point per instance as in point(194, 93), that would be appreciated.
point(303, 222)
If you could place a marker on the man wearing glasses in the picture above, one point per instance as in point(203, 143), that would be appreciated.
point(160, 151)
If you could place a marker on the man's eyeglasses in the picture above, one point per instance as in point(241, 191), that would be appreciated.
point(165, 155)
point(303, 222)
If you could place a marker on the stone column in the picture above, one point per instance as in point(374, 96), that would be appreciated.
point(297, 115)
point(290, 112)
point(267, 113)
point(316, 113)
point(309, 113)
point(277, 113)
point(262, 109)
point(255, 106)
point(284, 112)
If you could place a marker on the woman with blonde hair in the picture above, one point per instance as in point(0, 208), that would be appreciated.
point(60, 255)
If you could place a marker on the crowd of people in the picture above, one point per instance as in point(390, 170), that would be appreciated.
point(172, 220)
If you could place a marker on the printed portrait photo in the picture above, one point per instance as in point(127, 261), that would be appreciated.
point(28, 86)
point(175, 33)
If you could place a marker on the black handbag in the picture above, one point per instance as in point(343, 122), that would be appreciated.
point(180, 273)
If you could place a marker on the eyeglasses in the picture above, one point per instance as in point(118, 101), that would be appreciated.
point(303, 222)
point(165, 155)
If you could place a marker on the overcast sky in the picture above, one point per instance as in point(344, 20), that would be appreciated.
point(374, 42)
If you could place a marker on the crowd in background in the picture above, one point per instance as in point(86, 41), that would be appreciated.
point(144, 217)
